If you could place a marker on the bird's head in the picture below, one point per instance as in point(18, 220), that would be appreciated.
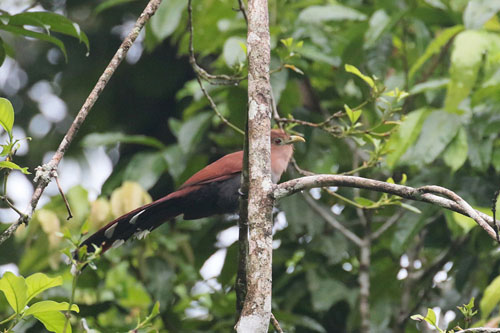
point(281, 151)
point(281, 138)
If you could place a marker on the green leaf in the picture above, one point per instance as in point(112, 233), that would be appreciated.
point(167, 18)
point(469, 49)
point(325, 292)
point(13, 166)
point(28, 33)
point(278, 84)
point(287, 42)
point(320, 14)
point(439, 128)
point(154, 312)
point(378, 25)
point(145, 168)
point(364, 201)
point(232, 52)
point(491, 298)
point(315, 54)
point(78, 200)
point(406, 230)
point(495, 158)
point(406, 134)
point(50, 22)
point(417, 317)
point(411, 208)
point(298, 320)
point(15, 291)
point(112, 138)
point(353, 115)
point(430, 318)
point(355, 71)
point(466, 223)
point(110, 4)
point(192, 131)
point(455, 154)
point(480, 150)
point(39, 282)
point(53, 321)
point(6, 115)
point(176, 160)
point(49, 306)
point(429, 86)
point(478, 12)
point(435, 46)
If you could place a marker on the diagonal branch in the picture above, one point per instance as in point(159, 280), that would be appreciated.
point(333, 222)
point(221, 79)
point(44, 177)
point(200, 75)
point(387, 224)
point(480, 330)
point(425, 194)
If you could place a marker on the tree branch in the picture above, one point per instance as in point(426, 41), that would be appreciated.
point(387, 224)
point(480, 330)
point(199, 75)
point(44, 176)
point(333, 222)
point(424, 194)
point(243, 10)
point(200, 72)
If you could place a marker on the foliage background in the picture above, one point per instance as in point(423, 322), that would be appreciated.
point(445, 53)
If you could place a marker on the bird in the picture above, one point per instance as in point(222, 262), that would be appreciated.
point(213, 190)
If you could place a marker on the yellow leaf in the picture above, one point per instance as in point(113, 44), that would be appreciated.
point(128, 197)
point(50, 225)
point(99, 212)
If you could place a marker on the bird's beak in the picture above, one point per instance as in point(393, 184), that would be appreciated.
point(295, 138)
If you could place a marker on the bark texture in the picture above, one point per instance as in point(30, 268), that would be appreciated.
point(256, 312)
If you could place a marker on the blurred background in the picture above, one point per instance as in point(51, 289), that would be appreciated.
point(430, 118)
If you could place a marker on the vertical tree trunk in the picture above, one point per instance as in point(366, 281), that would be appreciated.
point(256, 311)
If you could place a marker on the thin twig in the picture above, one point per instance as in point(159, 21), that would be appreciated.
point(71, 300)
point(337, 114)
point(480, 330)
point(243, 10)
point(420, 278)
point(216, 109)
point(494, 211)
point(192, 60)
point(332, 221)
point(11, 206)
point(276, 324)
point(425, 194)
point(68, 208)
point(303, 172)
point(44, 178)
point(387, 224)
point(221, 79)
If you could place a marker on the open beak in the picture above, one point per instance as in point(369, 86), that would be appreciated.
point(295, 138)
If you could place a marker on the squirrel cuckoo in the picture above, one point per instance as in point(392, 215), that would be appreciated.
point(212, 190)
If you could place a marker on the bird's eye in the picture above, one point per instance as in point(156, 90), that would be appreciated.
point(277, 141)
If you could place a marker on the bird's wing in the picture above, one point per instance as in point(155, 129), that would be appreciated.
point(224, 168)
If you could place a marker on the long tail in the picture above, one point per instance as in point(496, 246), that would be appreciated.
point(138, 223)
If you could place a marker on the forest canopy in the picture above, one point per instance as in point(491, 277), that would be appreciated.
point(403, 92)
